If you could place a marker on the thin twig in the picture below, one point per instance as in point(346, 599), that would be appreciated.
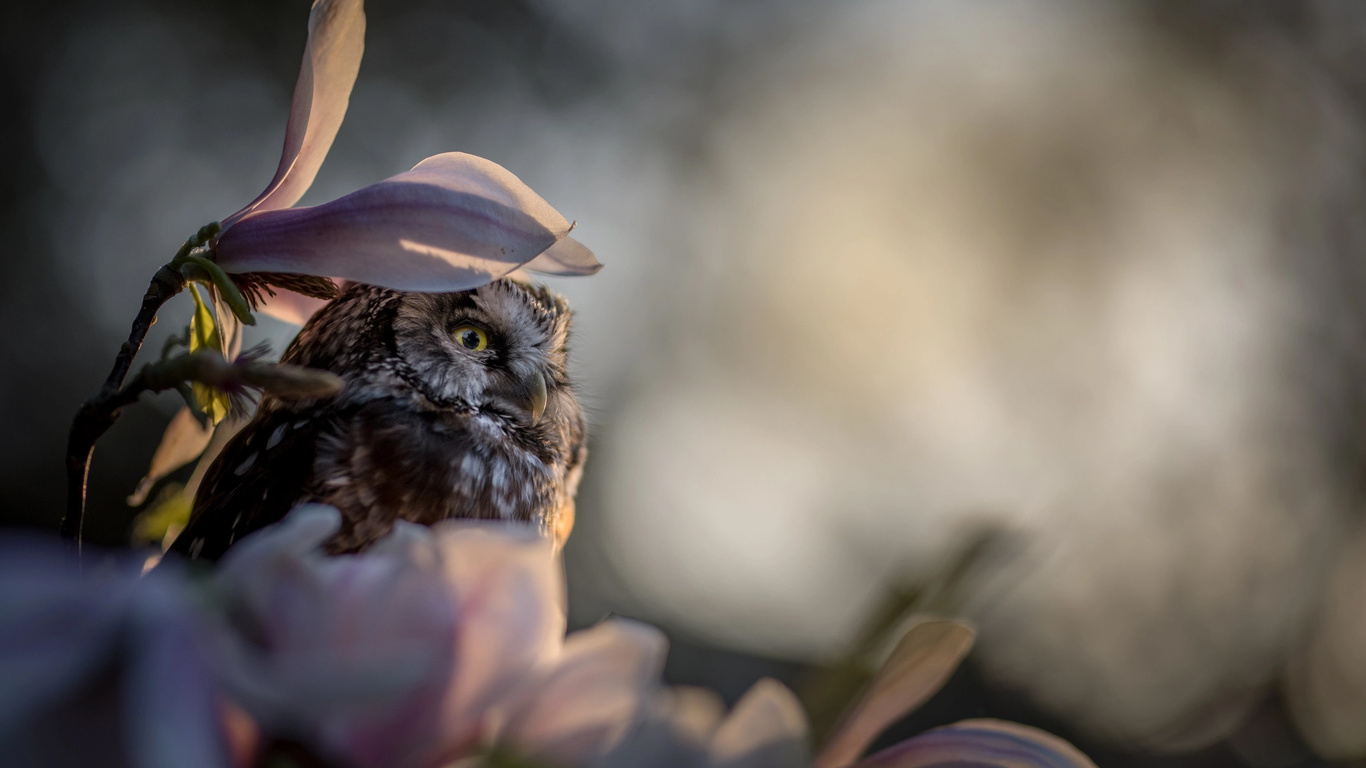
point(98, 413)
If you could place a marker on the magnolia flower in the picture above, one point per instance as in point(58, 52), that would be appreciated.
point(436, 644)
point(101, 668)
point(453, 222)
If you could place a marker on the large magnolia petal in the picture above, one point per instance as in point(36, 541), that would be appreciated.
point(453, 222)
point(921, 663)
point(351, 652)
point(985, 743)
point(336, 41)
point(766, 729)
point(593, 696)
point(508, 588)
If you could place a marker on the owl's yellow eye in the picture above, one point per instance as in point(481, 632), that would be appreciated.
point(471, 338)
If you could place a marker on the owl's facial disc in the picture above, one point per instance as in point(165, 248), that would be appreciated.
point(498, 348)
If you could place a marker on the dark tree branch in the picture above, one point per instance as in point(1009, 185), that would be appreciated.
point(206, 366)
point(98, 413)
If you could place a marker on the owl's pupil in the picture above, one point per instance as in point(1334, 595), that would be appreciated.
point(470, 339)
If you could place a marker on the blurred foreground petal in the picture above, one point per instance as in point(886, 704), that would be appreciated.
point(767, 729)
point(336, 41)
point(981, 743)
point(675, 733)
point(921, 663)
point(584, 706)
point(509, 587)
point(452, 223)
point(101, 668)
point(352, 653)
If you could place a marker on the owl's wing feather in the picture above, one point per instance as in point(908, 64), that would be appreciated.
point(262, 473)
point(387, 460)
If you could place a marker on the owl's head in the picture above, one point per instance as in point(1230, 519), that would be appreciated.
point(499, 349)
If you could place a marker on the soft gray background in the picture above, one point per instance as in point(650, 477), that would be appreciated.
point(881, 277)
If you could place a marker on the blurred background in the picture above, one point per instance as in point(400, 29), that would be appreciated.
point(1048, 313)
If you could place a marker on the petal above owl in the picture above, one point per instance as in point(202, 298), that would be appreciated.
point(455, 405)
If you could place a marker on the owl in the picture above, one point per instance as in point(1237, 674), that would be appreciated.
point(455, 405)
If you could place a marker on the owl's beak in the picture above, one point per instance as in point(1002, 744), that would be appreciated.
point(538, 395)
point(534, 395)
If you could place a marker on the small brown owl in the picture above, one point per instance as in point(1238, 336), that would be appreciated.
point(456, 405)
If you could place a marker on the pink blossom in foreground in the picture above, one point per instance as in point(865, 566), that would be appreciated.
point(437, 647)
point(451, 223)
point(351, 654)
point(434, 645)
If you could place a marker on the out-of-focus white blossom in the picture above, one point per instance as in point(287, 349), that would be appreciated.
point(350, 654)
point(435, 644)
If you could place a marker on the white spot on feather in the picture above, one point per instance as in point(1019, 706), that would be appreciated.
point(276, 436)
point(245, 465)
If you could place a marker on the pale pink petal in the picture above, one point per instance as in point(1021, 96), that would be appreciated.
point(336, 41)
point(452, 223)
point(405, 620)
point(509, 593)
point(354, 651)
point(985, 743)
point(182, 442)
point(766, 729)
point(590, 699)
point(302, 531)
point(921, 663)
point(291, 307)
point(675, 732)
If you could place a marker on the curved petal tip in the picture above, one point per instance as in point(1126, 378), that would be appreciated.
point(567, 257)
